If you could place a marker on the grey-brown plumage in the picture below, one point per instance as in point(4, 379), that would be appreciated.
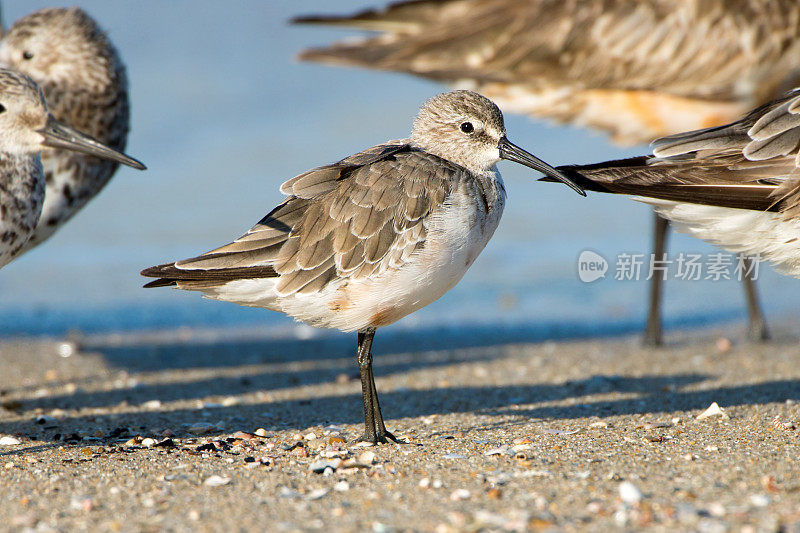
point(748, 164)
point(347, 220)
point(85, 85)
point(637, 69)
point(26, 128)
point(363, 242)
point(749, 168)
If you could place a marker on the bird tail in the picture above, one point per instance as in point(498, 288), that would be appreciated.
point(169, 275)
point(674, 180)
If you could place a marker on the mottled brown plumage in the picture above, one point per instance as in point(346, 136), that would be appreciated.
point(363, 242)
point(26, 128)
point(348, 220)
point(635, 68)
point(85, 85)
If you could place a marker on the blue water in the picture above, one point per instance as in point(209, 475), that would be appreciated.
point(222, 114)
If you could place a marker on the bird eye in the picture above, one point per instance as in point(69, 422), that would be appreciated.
point(27, 55)
point(467, 127)
point(2, 108)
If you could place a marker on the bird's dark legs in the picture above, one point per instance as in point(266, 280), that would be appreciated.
point(374, 429)
point(652, 335)
point(757, 325)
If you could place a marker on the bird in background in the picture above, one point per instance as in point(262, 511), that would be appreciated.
point(636, 69)
point(27, 128)
point(737, 186)
point(86, 87)
point(363, 242)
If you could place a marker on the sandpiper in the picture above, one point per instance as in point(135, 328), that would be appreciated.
point(737, 186)
point(637, 70)
point(363, 242)
point(85, 85)
point(26, 128)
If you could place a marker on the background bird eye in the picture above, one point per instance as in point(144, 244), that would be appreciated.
point(467, 127)
point(27, 55)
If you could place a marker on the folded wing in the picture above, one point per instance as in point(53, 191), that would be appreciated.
point(341, 221)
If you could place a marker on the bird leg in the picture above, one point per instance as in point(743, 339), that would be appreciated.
point(652, 335)
point(374, 429)
point(757, 325)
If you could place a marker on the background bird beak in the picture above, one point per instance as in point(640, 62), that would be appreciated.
point(512, 152)
point(58, 135)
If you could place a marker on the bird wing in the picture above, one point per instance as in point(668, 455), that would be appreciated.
point(750, 164)
point(689, 48)
point(637, 69)
point(362, 215)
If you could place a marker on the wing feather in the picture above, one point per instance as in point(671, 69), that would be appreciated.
point(749, 164)
point(364, 214)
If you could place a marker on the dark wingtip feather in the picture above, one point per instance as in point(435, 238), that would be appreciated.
point(163, 282)
point(576, 175)
point(157, 271)
point(317, 19)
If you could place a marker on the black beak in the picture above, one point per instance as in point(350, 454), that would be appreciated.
point(512, 152)
point(58, 135)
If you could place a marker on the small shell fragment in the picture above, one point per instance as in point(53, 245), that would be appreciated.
point(367, 458)
point(780, 424)
point(629, 493)
point(216, 481)
point(460, 494)
point(316, 494)
point(713, 410)
point(496, 451)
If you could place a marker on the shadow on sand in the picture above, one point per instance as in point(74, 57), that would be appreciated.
point(242, 366)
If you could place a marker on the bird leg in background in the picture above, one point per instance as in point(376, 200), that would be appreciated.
point(652, 335)
point(757, 326)
point(374, 429)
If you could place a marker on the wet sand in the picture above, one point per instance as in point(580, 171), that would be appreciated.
point(593, 434)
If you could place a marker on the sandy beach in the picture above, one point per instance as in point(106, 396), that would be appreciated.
point(221, 431)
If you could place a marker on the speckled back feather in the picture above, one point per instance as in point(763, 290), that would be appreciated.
point(86, 87)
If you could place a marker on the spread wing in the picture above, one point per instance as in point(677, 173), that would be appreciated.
point(750, 164)
point(364, 214)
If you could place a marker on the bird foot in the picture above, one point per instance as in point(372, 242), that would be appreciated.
point(652, 339)
point(379, 437)
point(757, 331)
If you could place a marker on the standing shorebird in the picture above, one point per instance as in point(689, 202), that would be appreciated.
point(85, 85)
point(637, 69)
point(363, 242)
point(737, 186)
point(26, 128)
